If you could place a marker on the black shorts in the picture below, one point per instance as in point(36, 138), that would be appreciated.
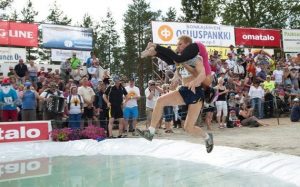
point(189, 97)
point(116, 112)
point(88, 113)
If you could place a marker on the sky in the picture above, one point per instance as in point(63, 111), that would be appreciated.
point(97, 9)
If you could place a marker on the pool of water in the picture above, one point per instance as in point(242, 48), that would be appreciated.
point(131, 171)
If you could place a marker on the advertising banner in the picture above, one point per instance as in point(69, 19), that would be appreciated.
point(291, 40)
point(18, 34)
point(22, 131)
point(10, 54)
point(24, 169)
point(61, 55)
point(208, 34)
point(67, 37)
point(253, 37)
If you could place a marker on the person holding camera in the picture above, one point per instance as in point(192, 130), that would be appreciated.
point(152, 93)
point(65, 70)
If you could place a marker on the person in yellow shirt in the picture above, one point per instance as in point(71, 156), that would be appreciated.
point(268, 84)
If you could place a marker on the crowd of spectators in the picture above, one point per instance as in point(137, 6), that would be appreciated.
point(248, 86)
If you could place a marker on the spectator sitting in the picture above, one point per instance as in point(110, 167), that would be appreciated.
point(233, 120)
point(295, 113)
point(268, 84)
point(247, 118)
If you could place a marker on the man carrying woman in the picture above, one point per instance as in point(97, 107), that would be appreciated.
point(195, 73)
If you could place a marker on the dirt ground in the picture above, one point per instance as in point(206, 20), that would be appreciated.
point(282, 138)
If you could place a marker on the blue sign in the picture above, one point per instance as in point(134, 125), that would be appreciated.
point(67, 37)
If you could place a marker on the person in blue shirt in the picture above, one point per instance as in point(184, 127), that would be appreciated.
point(295, 113)
point(29, 103)
point(8, 98)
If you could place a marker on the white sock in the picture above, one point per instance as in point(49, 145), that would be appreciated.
point(206, 136)
point(152, 130)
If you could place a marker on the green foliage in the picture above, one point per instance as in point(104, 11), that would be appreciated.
point(107, 42)
point(28, 13)
point(14, 16)
point(171, 15)
point(199, 11)
point(56, 16)
point(3, 5)
point(260, 13)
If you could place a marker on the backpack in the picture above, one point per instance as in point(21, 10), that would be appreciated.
point(69, 103)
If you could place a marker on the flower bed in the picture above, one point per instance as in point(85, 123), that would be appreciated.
point(66, 134)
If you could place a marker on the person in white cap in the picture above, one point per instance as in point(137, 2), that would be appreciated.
point(295, 113)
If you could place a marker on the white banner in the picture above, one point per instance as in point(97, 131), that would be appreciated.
point(61, 55)
point(11, 54)
point(291, 40)
point(208, 34)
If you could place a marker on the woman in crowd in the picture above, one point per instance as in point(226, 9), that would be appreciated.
point(247, 118)
point(75, 108)
point(256, 94)
point(221, 102)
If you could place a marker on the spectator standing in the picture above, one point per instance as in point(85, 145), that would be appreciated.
point(278, 74)
point(11, 71)
point(48, 113)
point(65, 70)
point(75, 62)
point(8, 97)
point(21, 71)
point(131, 110)
point(32, 71)
point(77, 74)
point(114, 98)
point(88, 96)
point(256, 94)
point(221, 103)
point(75, 108)
point(152, 92)
point(101, 107)
point(29, 102)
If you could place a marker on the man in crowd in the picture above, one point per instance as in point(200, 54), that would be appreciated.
point(49, 113)
point(21, 71)
point(65, 70)
point(131, 110)
point(88, 95)
point(295, 113)
point(113, 96)
point(75, 62)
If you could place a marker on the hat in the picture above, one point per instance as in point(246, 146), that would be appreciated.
point(5, 81)
point(132, 79)
point(231, 94)
point(236, 96)
point(231, 46)
point(116, 78)
point(268, 76)
point(27, 83)
point(296, 100)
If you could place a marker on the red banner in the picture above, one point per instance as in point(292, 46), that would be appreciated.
point(18, 34)
point(24, 131)
point(253, 37)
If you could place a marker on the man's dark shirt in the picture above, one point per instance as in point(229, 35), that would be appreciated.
point(115, 95)
point(21, 70)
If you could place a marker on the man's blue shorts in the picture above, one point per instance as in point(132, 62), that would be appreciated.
point(132, 112)
point(189, 97)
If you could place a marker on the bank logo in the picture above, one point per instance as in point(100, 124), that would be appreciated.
point(165, 33)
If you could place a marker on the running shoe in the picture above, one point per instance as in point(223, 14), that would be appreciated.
point(145, 134)
point(209, 143)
